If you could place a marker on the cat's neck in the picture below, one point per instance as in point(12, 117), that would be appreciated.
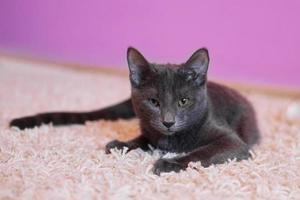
point(181, 141)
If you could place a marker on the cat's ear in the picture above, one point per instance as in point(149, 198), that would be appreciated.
point(198, 62)
point(138, 66)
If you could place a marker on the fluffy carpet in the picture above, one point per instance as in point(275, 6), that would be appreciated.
point(69, 162)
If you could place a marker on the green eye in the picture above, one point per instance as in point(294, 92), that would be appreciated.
point(182, 102)
point(154, 102)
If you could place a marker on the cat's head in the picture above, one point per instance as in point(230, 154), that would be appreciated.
point(169, 98)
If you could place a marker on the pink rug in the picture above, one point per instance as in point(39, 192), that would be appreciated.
point(69, 162)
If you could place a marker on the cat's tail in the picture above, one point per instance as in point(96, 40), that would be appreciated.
point(122, 110)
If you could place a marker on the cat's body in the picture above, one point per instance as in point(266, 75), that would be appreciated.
point(228, 110)
point(179, 111)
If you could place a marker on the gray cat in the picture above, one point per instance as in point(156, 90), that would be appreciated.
point(179, 111)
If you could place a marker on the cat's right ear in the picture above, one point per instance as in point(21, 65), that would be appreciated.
point(197, 66)
point(138, 66)
point(199, 61)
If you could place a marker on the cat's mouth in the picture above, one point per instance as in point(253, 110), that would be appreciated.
point(168, 131)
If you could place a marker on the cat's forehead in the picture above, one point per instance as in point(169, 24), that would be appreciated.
point(169, 77)
point(170, 72)
point(166, 68)
point(166, 72)
point(167, 65)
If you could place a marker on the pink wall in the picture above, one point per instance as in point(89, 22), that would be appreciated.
point(256, 40)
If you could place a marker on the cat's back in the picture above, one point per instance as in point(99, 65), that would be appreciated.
point(223, 94)
point(229, 107)
point(227, 102)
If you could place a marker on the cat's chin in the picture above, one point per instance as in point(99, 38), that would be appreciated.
point(168, 132)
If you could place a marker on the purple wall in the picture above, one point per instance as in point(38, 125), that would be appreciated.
point(256, 40)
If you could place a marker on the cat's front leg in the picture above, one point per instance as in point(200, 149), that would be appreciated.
point(217, 152)
point(138, 142)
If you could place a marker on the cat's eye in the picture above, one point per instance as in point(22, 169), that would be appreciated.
point(154, 102)
point(183, 102)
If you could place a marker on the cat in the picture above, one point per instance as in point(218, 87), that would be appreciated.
point(179, 111)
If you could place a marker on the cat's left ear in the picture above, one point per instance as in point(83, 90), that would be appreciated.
point(198, 62)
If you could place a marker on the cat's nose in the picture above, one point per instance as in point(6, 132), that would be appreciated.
point(168, 124)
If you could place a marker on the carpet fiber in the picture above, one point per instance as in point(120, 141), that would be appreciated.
point(69, 162)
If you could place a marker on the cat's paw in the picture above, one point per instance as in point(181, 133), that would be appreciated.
point(114, 144)
point(167, 165)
